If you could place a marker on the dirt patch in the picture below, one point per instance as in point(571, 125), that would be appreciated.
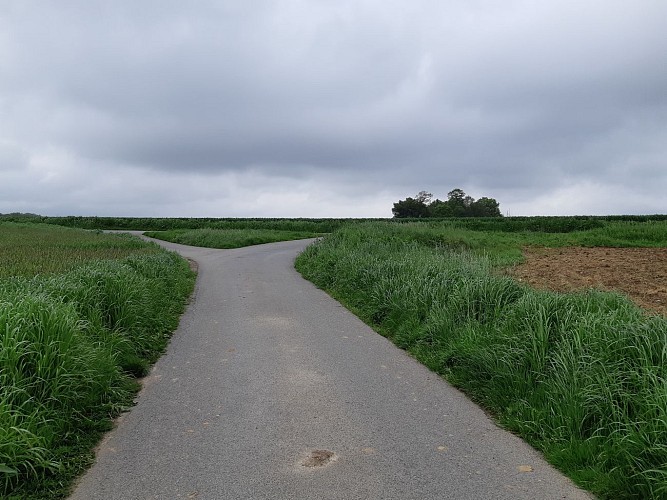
point(639, 273)
point(318, 458)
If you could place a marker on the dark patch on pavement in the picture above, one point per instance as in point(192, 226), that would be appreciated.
point(318, 458)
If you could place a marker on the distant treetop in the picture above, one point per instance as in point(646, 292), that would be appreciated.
point(458, 204)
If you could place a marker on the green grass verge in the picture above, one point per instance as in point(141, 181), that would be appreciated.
point(582, 377)
point(72, 344)
point(228, 238)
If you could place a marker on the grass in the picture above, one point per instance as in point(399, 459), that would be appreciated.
point(75, 331)
point(163, 224)
point(229, 238)
point(582, 376)
point(31, 249)
point(504, 247)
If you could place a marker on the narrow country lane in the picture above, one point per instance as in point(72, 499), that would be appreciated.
point(271, 390)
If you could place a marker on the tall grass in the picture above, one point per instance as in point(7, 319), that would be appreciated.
point(30, 249)
point(583, 377)
point(229, 238)
point(70, 346)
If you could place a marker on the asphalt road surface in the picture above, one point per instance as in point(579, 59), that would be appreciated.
point(271, 390)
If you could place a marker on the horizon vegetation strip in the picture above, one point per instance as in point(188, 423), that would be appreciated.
point(580, 376)
point(539, 224)
point(229, 238)
point(72, 343)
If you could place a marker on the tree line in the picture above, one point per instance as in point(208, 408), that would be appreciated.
point(458, 204)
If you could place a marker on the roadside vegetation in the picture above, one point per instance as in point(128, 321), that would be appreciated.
point(581, 376)
point(82, 314)
point(229, 238)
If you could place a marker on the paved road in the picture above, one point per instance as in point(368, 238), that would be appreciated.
point(265, 370)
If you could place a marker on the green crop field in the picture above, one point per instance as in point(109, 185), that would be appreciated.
point(494, 224)
point(32, 249)
point(81, 315)
point(581, 376)
point(164, 224)
point(228, 238)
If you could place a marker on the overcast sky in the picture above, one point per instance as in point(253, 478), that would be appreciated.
point(331, 108)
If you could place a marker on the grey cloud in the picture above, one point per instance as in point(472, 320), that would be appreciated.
point(514, 97)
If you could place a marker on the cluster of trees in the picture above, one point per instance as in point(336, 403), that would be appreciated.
point(458, 204)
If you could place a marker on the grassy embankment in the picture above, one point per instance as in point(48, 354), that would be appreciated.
point(81, 315)
point(582, 376)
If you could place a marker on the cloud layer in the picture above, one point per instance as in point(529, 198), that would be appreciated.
point(309, 108)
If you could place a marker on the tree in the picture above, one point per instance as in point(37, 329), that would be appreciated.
point(458, 204)
point(410, 207)
point(439, 208)
point(456, 200)
point(486, 207)
point(456, 195)
point(424, 196)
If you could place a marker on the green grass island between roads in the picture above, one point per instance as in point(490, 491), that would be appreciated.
point(581, 376)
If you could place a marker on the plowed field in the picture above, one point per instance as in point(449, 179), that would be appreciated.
point(640, 273)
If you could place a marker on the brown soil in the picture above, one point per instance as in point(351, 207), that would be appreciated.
point(639, 273)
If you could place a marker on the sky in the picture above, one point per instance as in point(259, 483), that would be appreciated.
point(323, 108)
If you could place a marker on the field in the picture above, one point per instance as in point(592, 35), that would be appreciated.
point(164, 224)
point(639, 273)
point(32, 249)
point(582, 376)
point(555, 325)
point(82, 314)
point(229, 238)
